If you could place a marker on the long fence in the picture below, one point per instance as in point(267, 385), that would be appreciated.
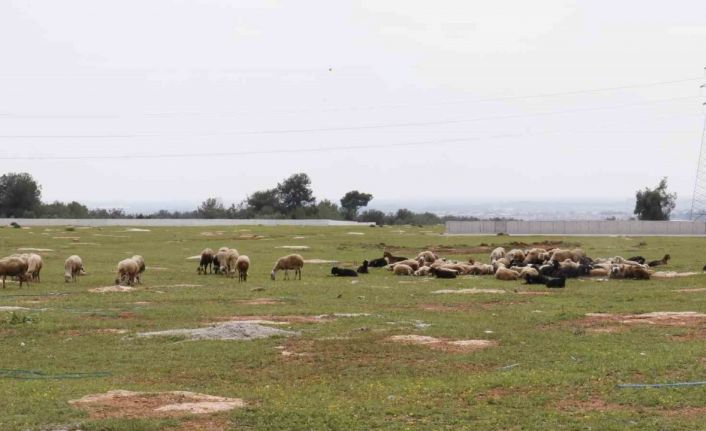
point(175, 222)
point(577, 227)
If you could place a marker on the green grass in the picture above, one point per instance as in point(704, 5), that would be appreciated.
point(351, 377)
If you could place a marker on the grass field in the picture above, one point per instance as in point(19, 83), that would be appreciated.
point(552, 368)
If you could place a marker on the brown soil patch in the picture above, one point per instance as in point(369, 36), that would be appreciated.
point(593, 404)
point(128, 404)
point(611, 323)
point(260, 301)
point(444, 345)
point(78, 332)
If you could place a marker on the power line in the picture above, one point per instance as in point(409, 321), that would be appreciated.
point(294, 150)
point(354, 108)
point(342, 128)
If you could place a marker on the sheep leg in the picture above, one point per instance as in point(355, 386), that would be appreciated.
point(3, 281)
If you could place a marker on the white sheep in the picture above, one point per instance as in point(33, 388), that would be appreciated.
point(496, 254)
point(127, 272)
point(292, 261)
point(73, 267)
point(402, 269)
point(140, 267)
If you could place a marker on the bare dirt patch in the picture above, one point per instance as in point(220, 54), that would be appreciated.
point(319, 261)
point(135, 229)
point(34, 249)
point(128, 404)
point(223, 331)
point(115, 288)
point(274, 320)
point(611, 323)
point(444, 344)
point(470, 291)
point(294, 247)
point(260, 301)
point(673, 274)
point(162, 286)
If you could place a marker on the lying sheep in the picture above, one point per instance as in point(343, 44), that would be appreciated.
point(140, 267)
point(343, 272)
point(529, 271)
point(423, 271)
point(242, 264)
point(515, 255)
point(505, 274)
point(402, 269)
point(630, 271)
point(14, 267)
point(660, 262)
point(363, 269)
point(127, 272)
point(378, 263)
point(292, 261)
point(535, 256)
point(73, 267)
point(425, 257)
point(393, 259)
point(409, 262)
point(482, 269)
point(598, 272)
point(206, 261)
point(443, 273)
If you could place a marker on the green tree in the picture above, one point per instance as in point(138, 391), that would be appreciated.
point(328, 210)
point(19, 195)
point(264, 202)
point(352, 201)
point(295, 192)
point(655, 204)
point(211, 208)
point(372, 216)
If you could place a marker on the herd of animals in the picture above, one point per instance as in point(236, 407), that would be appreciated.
point(535, 266)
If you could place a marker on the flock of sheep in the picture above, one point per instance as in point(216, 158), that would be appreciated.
point(535, 266)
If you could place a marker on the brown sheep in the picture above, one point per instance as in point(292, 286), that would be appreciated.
point(426, 257)
point(14, 267)
point(630, 271)
point(206, 261)
point(292, 261)
point(402, 269)
point(506, 274)
point(242, 264)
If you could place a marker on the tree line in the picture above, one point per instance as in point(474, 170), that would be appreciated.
point(293, 198)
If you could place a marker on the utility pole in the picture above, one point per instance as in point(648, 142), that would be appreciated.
point(698, 201)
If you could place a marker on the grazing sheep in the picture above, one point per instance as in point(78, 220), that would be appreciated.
point(393, 259)
point(660, 262)
point(496, 254)
point(378, 263)
point(127, 272)
point(141, 267)
point(443, 272)
point(363, 269)
point(403, 269)
point(34, 266)
point(505, 274)
point(228, 262)
point(219, 259)
point(423, 271)
point(292, 261)
point(206, 262)
point(242, 264)
point(14, 267)
point(343, 272)
point(73, 267)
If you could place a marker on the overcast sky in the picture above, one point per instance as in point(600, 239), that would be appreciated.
point(444, 100)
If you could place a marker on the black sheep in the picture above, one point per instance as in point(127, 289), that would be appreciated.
point(662, 261)
point(343, 272)
point(638, 259)
point(363, 269)
point(377, 263)
point(551, 282)
point(443, 273)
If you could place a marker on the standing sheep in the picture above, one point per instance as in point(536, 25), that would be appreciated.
point(14, 267)
point(292, 261)
point(34, 266)
point(127, 272)
point(228, 263)
point(242, 264)
point(140, 267)
point(206, 261)
point(73, 267)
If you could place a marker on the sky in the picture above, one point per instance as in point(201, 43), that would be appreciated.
point(177, 101)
